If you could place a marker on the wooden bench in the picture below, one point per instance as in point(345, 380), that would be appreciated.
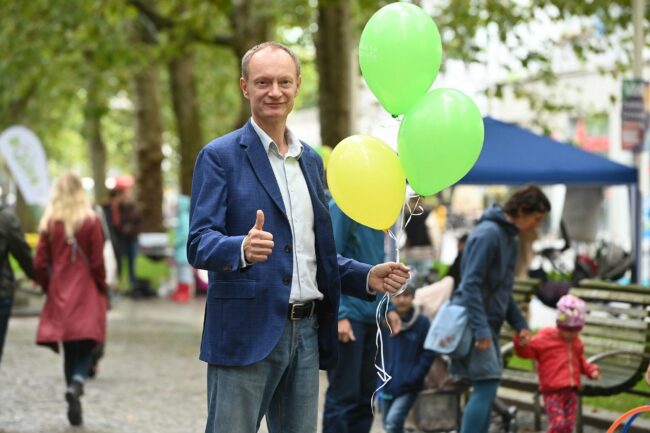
point(616, 337)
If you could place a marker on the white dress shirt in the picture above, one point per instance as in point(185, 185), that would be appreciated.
point(298, 206)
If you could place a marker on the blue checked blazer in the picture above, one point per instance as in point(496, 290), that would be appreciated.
point(246, 309)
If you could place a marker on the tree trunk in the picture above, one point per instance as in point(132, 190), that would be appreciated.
point(252, 23)
point(334, 62)
point(187, 113)
point(93, 113)
point(148, 148)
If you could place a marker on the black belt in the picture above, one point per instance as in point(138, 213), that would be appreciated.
point(302, 310)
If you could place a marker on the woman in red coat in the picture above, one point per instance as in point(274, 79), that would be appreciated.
point(69, 265)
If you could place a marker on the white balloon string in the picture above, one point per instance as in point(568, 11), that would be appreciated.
point(384, 377)
point(401, 226)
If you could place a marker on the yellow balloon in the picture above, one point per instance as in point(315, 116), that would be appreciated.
point(366, 180)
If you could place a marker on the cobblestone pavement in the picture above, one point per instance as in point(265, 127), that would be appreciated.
point(150, 380)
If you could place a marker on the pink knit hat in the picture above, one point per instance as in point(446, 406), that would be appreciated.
point(570, 313)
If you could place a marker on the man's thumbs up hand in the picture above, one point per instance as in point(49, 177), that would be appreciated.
point(259, 220)
point(258, 244)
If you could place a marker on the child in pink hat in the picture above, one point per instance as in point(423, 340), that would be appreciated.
point(559, 353)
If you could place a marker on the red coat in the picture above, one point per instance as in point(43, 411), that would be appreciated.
point(559, 362)
point(76, 304)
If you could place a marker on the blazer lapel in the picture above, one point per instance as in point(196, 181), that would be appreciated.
point(261, 166)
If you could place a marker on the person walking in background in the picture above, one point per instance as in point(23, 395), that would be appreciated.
point(184, 274)
point(407, 362)
point(559, 354)
point(487, 277)
point(69, 266)
point(353, 381)
point(125, 219)
point(109, 207)
point(12, 242)
point(259, 224)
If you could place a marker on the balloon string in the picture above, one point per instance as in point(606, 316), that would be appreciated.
point(401, 226)
point(383, 375)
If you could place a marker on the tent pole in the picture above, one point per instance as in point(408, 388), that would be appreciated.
point(637, 232)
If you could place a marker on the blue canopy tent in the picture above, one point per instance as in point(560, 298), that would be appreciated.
point(512, 155)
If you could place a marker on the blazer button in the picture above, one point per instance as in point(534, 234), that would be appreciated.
point(287, 249)
point(286, 279)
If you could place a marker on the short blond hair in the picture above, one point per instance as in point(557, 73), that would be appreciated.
point(246, 59)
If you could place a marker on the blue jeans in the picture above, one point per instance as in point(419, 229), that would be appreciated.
point(352, 383)
point(283, 386)
point(77, 359)
point(127, 248)
point(5, 312)
point(395, 410)
point(478, 412)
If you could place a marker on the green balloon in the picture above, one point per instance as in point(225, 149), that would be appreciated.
point(439, 140)
point(399, 54)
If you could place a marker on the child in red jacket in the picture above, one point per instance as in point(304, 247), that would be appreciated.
point(559, 353)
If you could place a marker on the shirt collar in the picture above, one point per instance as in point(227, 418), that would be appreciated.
point(295, 146)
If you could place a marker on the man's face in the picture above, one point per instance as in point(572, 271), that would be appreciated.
point(272, 84)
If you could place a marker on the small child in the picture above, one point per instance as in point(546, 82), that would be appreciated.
point(559, 353)
point(406, 361)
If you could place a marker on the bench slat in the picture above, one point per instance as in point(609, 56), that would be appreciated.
point(612, 296)
point(615, 322)
point(598, 345)
point(622, 311)
point(629, 335)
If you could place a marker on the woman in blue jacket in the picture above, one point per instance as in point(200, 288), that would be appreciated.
point(487, 271)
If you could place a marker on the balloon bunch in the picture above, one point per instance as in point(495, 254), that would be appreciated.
point(441, 133)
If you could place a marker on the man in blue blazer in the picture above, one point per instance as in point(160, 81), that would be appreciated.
point(260, 225)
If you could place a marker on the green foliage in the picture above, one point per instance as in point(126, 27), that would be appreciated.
point(51, 51)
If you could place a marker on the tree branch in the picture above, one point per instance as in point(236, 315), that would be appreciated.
point(162, 22)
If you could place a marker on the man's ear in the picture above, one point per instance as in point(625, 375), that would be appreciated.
point(244, 87)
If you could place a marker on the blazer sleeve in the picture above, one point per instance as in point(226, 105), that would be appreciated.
point(208, 246)
point(354, 278)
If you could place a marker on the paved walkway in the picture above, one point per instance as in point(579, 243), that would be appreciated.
point(150, 381)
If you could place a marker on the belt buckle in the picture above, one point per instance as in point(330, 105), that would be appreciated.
point(293, 310)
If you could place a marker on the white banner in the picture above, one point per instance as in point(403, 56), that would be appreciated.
point(26, 159)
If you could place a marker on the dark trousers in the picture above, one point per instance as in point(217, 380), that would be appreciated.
point(77, 359)
point(351, 384)
point(5, 312)
point(127, 248)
